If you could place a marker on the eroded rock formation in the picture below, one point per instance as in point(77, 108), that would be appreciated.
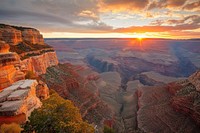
point(32, 36)
point(172, 106)
point(39, 63)
point(69, 84)
point(18, 101)
point(14, 35)
point(8, 72)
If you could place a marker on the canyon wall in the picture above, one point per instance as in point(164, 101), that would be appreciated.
point(14, 35)
point(8, 72)
point(39, 63)
point(21, 50)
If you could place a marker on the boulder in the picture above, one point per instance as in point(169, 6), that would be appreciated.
point(18, 99)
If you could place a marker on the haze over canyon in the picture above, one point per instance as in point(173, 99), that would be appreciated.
point(99, 66)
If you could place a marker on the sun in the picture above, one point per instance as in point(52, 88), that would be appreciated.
point(140, 38)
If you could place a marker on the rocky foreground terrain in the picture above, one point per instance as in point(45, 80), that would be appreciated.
point(126, 87)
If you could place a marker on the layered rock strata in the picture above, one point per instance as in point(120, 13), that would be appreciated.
point(69, 84)
point(18, 101)
point(14, 35)
point(8, 63)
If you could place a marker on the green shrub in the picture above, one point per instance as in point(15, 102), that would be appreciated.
point(57, 115)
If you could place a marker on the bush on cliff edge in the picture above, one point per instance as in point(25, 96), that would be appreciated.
point(57, 115)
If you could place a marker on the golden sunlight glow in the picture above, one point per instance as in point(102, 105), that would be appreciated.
point(140, 38)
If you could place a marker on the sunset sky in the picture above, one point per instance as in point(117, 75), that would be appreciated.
point(177, 19)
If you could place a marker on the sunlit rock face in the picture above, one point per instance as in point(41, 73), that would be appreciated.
point(10, 35)
point(14, 35)
point(8, 72)
point(18, 101)
point(39, 63)
point(29, 44)
point(32, 36)
point(4, 47)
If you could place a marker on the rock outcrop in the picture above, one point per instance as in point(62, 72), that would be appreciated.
point(186, 98)
point(32, 36)
point(10, 35)
point(8, 72)
point(32, 53)
point(14, 35)
point(156, 114)
point(172, 106)
point(39, 63)
point(18, 101)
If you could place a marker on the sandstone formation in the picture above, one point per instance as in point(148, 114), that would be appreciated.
point(18, 101)
point(39, 63)
point(10, 35)
point(14, 35)
point(4, 47)
point(22, 50)
point(32, 36)
point(32, 53)
point(8, 60)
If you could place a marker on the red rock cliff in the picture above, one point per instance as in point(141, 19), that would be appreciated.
point(14, 35)
point(23, 49)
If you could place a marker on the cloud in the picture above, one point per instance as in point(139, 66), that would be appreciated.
point(49, 14)
point(166, 4)
point(193, 19)
point(122, 5)
point(188, 23)
point(192, 6)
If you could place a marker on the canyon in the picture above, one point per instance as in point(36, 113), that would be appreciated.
point(138, 83)
point(153, 87)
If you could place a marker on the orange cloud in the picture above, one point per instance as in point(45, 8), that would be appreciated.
point(192, 6)
point(122, 5)
point(166, 4)
point(142, 29)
